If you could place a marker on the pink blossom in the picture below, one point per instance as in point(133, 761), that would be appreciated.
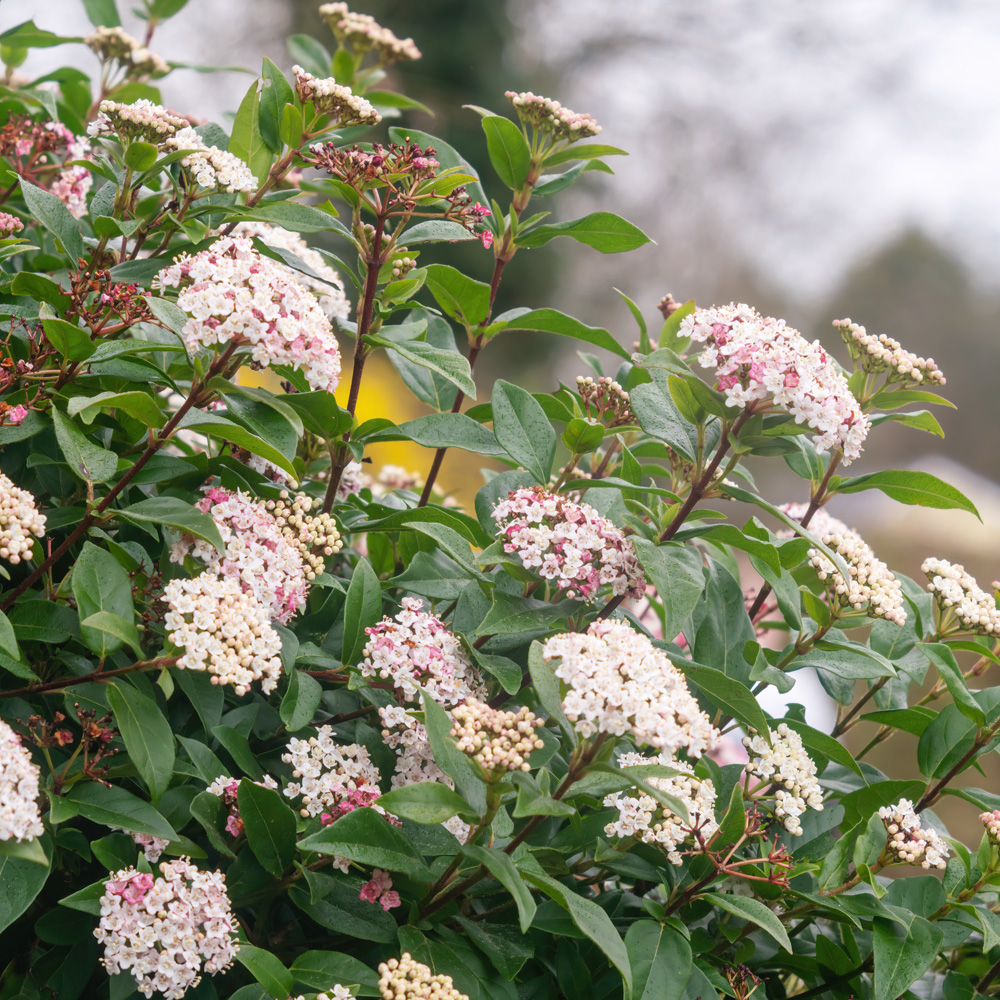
point(17, 413)
point(378, 890)
point(486, 238)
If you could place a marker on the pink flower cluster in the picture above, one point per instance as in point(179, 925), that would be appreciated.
point(233, 294)
point(379, 890)
point(569, 543)
point(166, 931)
point(759, 358)
point(74, 181)
point(416, 650)
point(9, 224)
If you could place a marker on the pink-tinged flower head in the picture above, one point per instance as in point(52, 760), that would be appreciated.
point(568, 543)
point(758, 358)
point(10, 224)
point(16, 414)
point(551, 117)
point(378, 890)
point(486, 238)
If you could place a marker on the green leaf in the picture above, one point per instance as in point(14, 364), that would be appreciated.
point(102, 13)
point(212, 423)
point(363, 608)
point(910, 486)
point(467, 777)
point(43, 621)
point(522, 429)
point(438, 231)
point(334, 903)
point(921, 420)
point(267, 970)
point(290, 215)
point(319, 969)
point(508, 149)
point(592, 920)
point(364, 836)
point(449, 364)
point(427, 802)
point(446, 430)
point(22, 880)
point(461, 297)
point(945, 741)
point(140, 156)
point(270, 826)
point(583, 151)
point(8, 641)
point(310, 54)
point(73, 343)
point(824, 747)
point(676, 572)
point(553, 321)
point(53, 214)
point(25, 850)
point(301, 700)
point(140, 405)
point(116, 807)
point(148, 737)
point(500, 943)
point(100, 583)
point(903, 952)
point(753, 910)
point(502, 868)
point(843, 659)
point(88, 461)
point(246, 140)
point(726, 692)
point(546, 685)
point(425, 384)
point(951, 673)
point(171, 512)
point(604, 231)
point(583, 436)
point(661, 961)
point(276, 95)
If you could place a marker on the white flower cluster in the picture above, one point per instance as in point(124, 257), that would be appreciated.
point(329, 291)
point(337, 992)
point(331, 98)
point(786, 763)
point(760, 358)
point(643, 817)
point(871, 587)
point(19, 520)
point(222, 630)
point(364, 33)
point(416, 650)
point(550, 116)
point(407, 979)
point(20, 818)
point(957, 592)
point(232, 293)
point(414, 759)
point(117, 44)
point(619, 683)
point(883, 354)
point(166, 931)
point(908, 841)
point(498, 740)
point(352, 480)
point(141, 119)
point(569, 543)
point(210, 166)
point(273, 548)
point(329, 776)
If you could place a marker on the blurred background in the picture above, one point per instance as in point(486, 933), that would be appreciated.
point(816, 161)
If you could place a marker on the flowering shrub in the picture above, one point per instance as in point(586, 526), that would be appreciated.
point(274, 723)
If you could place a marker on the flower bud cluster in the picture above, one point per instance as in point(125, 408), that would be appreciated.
point(152, 847)
point(498, 740)
point(20, 818)
point(871, 586)
point(222, 630)
point(908, 841)
point(9, 225)
point(620, 683)
point(569, 543)
point(958, 593)
point(991, 820)
point(328, 287)
point(210, 166)
point(642, 816)
point(337, 992)
point(166, 931)
point(551, 117)
point(141, 119)
point(228, 789)
point(365, 34)
point(395, 477)
point(416, 650)
point(883, 354)
point(787, 764)
point(759, 358)
point(116, 44)
point(19, 521)
point(607, 397)
point(331, 98)
point(405, 978)
point(328, 776)
point(232, 293)
point(274, 548)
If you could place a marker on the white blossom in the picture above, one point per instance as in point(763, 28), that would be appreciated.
point(210, 166)
point(958, 593)
point(20, 818)
point(910, 842)
point(786, 763)
point(19, 521)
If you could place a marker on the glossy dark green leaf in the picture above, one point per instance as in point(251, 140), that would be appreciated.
point(100, 583)
point(661, 961)
point(267, 969)
point(503, 869)
point(678, 576)
point(903, 952)
point(88, 461)
point(522, 429)
point(604, 231)
point(362, 609)
point(172, 512)
point(22, 880)
point(753, 910)
point(427, 802)
point(508, 149)
point(553, 321)
point(270, 826)
point(461, 297)
point(149, 740)
point(910, 486)
point(319, 969)
point(52, 213)
point(117, 807)
point(71, 341)
point(301, 700)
